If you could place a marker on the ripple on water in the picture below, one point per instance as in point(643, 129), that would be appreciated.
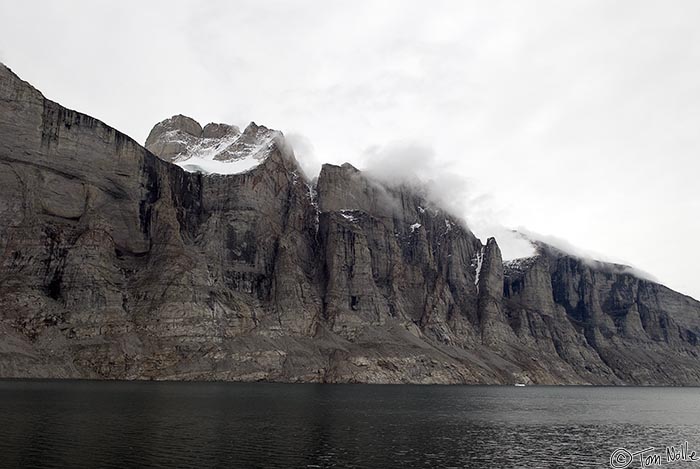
point(112, 424)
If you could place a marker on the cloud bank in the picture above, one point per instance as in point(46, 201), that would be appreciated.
point(416, 163)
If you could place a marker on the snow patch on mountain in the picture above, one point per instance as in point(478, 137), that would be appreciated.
point(477, 263)
point(216, 149)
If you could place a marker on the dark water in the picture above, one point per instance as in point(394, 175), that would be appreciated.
point(108, 424)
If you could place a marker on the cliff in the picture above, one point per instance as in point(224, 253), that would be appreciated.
point(117, 264)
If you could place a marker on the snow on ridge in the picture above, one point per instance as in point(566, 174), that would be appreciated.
point(197, 165)
point(520, 264)
point(233, 153)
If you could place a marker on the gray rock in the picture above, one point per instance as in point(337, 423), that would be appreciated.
point(118, 264)
point(213, 130)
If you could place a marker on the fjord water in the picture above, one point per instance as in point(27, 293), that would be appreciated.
point(150, 424)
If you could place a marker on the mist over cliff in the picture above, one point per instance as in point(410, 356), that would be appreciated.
point(120, 261)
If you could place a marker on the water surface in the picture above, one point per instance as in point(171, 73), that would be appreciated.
point(147, 424)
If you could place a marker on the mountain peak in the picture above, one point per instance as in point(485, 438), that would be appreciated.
point(217, 148)
point(183, 123)
point(218, 130)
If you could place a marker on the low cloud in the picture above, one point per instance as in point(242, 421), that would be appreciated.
point(415, 163)
point(594, 259)
point(305, 153)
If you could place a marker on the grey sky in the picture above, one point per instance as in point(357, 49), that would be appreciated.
point(573, 119)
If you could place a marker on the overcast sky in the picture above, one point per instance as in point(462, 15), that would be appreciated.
point(579, 120)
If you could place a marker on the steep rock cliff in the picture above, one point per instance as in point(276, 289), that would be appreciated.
point(116, 263)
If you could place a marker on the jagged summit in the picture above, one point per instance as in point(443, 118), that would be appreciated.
point(120, 265)
point(216, 148)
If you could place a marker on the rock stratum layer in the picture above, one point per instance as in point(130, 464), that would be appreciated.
point(117, 264)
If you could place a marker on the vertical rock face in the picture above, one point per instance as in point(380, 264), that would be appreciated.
point(390, 255)
point(116, 263)
point(606, 324)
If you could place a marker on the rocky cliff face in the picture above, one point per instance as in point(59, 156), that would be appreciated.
point(116, 263)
